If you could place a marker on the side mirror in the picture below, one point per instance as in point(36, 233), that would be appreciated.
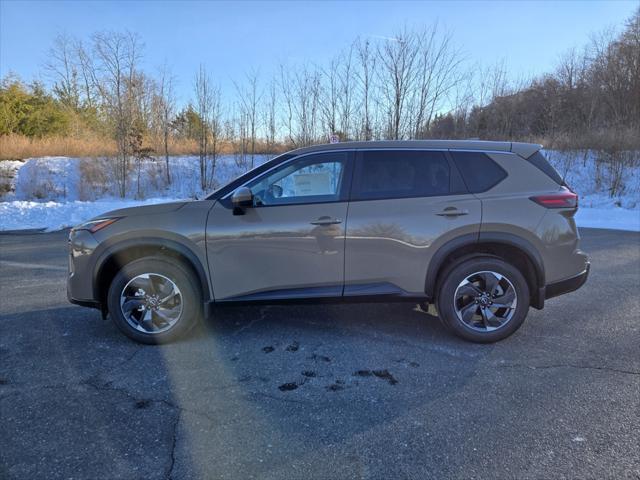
point(242, 198)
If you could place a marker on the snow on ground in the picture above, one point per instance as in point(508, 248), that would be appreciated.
point(51, 216)
point(57, 192)
point(64, 179)
point(51, 193)
point(592, 179)
point(600, 211)
point(8, 172)
point(614, 218)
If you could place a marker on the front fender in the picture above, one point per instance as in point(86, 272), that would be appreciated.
point(162, 241)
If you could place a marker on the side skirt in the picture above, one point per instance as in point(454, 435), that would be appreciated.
point(362, 293)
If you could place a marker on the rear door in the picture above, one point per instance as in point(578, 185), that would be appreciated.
point(404, 205)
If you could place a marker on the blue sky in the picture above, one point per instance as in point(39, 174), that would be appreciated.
point(231, 38)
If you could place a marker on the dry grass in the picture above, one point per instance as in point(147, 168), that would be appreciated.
point(19, 147)
point(608, 140)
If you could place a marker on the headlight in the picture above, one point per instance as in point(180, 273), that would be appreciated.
point(94, 225)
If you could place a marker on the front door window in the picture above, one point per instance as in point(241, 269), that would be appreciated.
point(312, 179)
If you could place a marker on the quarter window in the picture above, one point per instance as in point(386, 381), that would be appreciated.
point(479, 172)
point(538, 160)
point(400, 174)
point(311, 179)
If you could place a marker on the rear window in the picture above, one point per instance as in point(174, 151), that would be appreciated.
point(479, 172)
point(538, 160)
point(400, 174)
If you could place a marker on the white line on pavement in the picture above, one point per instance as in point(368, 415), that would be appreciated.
point(33, 266)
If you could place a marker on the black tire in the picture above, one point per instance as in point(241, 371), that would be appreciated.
point(446, 301)
point(191, 311)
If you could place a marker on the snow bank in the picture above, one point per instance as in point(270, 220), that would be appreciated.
point(8, 173)
point(614, 218)
point(67, 179)
point(592, 179)
point(57, 192)
point(51, 193)
point(51, 216)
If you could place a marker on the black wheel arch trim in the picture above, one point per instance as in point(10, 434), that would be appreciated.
point(441, 255)
point(161, 244)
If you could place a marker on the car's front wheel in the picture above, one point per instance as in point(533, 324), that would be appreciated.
point(483, 299)
point(154, 300)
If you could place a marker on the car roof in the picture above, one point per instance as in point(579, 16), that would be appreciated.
point(523, 149)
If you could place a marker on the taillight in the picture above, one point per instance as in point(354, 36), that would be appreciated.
point(564, 199)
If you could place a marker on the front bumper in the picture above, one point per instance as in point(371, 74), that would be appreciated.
point(568, 285)
point(80, 277)
point(83, 303)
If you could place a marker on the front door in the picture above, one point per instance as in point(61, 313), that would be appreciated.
point(290, 244)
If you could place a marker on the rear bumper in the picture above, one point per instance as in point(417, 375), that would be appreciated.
point(569, 285)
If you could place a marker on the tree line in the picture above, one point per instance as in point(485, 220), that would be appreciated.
point(591, 99)
point(417, 84)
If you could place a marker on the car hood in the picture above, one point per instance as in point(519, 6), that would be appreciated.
point(144, 210)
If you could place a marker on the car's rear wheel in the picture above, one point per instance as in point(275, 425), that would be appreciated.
point(154, 300)
point(483, 299)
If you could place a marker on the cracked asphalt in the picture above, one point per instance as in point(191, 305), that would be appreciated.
point(344, 391)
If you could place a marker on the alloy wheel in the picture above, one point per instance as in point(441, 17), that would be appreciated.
point(151, 303)
point(485, 301)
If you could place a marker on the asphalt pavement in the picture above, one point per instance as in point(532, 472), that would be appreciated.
point(374, 391)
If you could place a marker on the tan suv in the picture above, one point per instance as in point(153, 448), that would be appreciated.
point(483, 230)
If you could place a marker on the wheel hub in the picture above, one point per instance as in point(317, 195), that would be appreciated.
point(484, 299)
point(152, 302)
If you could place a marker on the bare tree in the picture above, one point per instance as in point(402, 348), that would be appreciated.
point(87, 71)
point(330, 96)
point(269, 115)
point(397, 58)
point(437, 74)
point(301, 91)
point(347, 80)
point(307, 89)
point(287, 95)
point(365, 75)
point(203, 90)
point(166, 102)
point(115, 73)
point(216, 127)
point(63, 70)
point(249, 97)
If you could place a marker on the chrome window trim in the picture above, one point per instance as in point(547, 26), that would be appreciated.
point(372, 149)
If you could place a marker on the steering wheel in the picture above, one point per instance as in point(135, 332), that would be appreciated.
point(271, 194)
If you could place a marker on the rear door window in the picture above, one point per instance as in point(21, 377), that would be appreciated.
point(479, 172)
point(384, 174)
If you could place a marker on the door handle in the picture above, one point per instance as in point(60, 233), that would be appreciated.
point(452, 212)
point(323, 221)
